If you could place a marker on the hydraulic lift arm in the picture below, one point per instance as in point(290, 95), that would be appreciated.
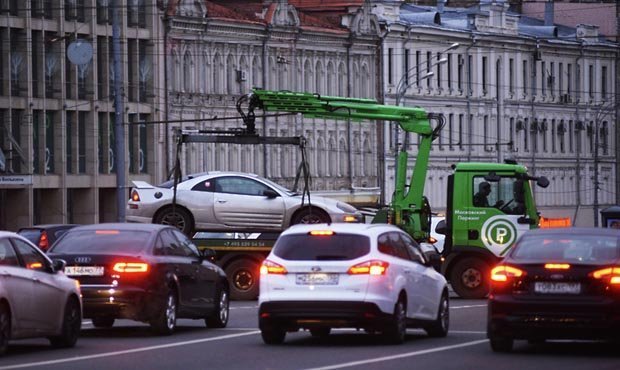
point(409, 208)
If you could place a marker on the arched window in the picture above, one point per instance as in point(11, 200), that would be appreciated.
point(273, 74)
point(187, 72)
point(357, 156)
point(243, 75)
point(331, 79)
point(343, 158)
point(365, 82)
point(355, 81)
point(206, 73)
point(342, 80)
point(321, 157)
point(217, 74)
point(231, 70)
point(333, 157)
point(256, 72)
point(308, 76)
point(318, 78)
point(369, 161)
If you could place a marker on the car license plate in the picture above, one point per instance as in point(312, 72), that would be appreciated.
point(317, 279)
point(549, 287)
point(84, 270)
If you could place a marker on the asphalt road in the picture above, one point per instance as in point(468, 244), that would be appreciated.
point(130, 345)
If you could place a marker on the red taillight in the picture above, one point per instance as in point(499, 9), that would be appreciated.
point(270, 267)
point(135, 196)
point(609, 274)
point(127, 267)
point(502, 273)
point(373, 267)
point(43, 241)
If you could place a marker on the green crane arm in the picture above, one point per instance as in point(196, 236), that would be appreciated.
point(410, 211)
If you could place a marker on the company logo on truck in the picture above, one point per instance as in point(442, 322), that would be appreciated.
point(498, 234)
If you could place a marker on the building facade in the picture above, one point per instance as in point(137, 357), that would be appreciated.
point(218, 50)
point(57, 109)
point(514, 88)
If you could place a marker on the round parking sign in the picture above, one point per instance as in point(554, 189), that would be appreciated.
point(498, 234)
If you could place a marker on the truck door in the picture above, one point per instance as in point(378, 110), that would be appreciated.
point(497, 212)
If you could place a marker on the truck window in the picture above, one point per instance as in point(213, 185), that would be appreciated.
point(497, 194)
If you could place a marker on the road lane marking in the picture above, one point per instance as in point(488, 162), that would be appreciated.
point(128, 351)
point(242, 307)
point(470, 306)
point(402, 355)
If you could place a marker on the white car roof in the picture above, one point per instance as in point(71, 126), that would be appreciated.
point(351, 228)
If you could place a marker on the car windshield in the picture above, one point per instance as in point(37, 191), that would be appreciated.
point(337, 247)
point(31, 234)
point(278, 186)
point(102, 242)
point(582, 249)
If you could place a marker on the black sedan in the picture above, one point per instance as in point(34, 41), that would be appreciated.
point(557, 284)
point(144, 272)
point(44, 236)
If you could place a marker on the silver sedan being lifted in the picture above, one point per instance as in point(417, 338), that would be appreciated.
point(219, 201)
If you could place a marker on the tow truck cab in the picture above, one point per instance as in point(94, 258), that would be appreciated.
point(489, 206)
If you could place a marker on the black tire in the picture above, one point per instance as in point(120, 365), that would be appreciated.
point(501, 344)
point(5, 327)
point(273, 335)
point(439, 327)
point(71, 325)
point(310, 215)
point(103, 322)
point(180, 218)
point(320, 332)
point(219, 317)
point(166, 320)
point(396, 330)
point(243, 277)
point(470, 278)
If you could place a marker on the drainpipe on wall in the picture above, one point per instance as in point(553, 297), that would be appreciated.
point(468, 95)
point(166, 108)
point(578, 136)
point(349, 133)
point(381, 152)
point(266, 171)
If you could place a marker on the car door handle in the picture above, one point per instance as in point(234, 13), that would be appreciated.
point(221, 201)
point(36, 280)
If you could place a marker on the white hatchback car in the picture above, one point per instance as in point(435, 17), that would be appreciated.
point(367, 276)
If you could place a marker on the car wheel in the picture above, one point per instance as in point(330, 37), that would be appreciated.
point(469, 278)
point(439, 327)
point(219, 317)
point(180, 218)
point(273, 335)
point(243, 276)
point(501, 344)
point(320, 332)
point(396, 330)
point(71, 325)
point(310, 216)
point(5, 327)
point(166, 320)
point(103, 322)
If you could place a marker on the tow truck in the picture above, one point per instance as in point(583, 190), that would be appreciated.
point(476, 237)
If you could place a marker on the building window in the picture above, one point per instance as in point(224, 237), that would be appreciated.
point(569, 79)
point(591, 81)
point(560, 79)
point(451, 131)
point(571, 132)
point(525, 135)
point(459, 81)
point(604, 134)
point(418, 67)
point(511, 76)
point(406, 76)
point(511, 130)
point(604, 83)
point(470, 66)
point(449, 72)
point(553, 131)
point(81, 134)
point(38, 134)
point(70, 139)
point(551, 79)
point(144, 131)
point(439, 68)
point(485, 133)
point(390, 66)
point(485, 71)
point(525, 78)
point(561, 129)
point(543, 133)
point(543, 83)
point(429, 57)
point(461, 124)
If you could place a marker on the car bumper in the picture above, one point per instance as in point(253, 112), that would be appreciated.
point(596, 319)
point(128, 302)
point(293, 315)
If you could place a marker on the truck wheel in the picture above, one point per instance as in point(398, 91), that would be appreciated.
point(243, 277)
point(469, 278)
point(180, 218)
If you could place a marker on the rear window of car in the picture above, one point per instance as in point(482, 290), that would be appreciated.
point(31, 234)
point(102, 242)
point(337, 247)
point(583, 249)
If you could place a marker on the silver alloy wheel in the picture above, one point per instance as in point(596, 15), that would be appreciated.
point(224, 306)
point(472, 278)
point(444, 315)
point(313, 218)
point(171, 312)
point(173, 219)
